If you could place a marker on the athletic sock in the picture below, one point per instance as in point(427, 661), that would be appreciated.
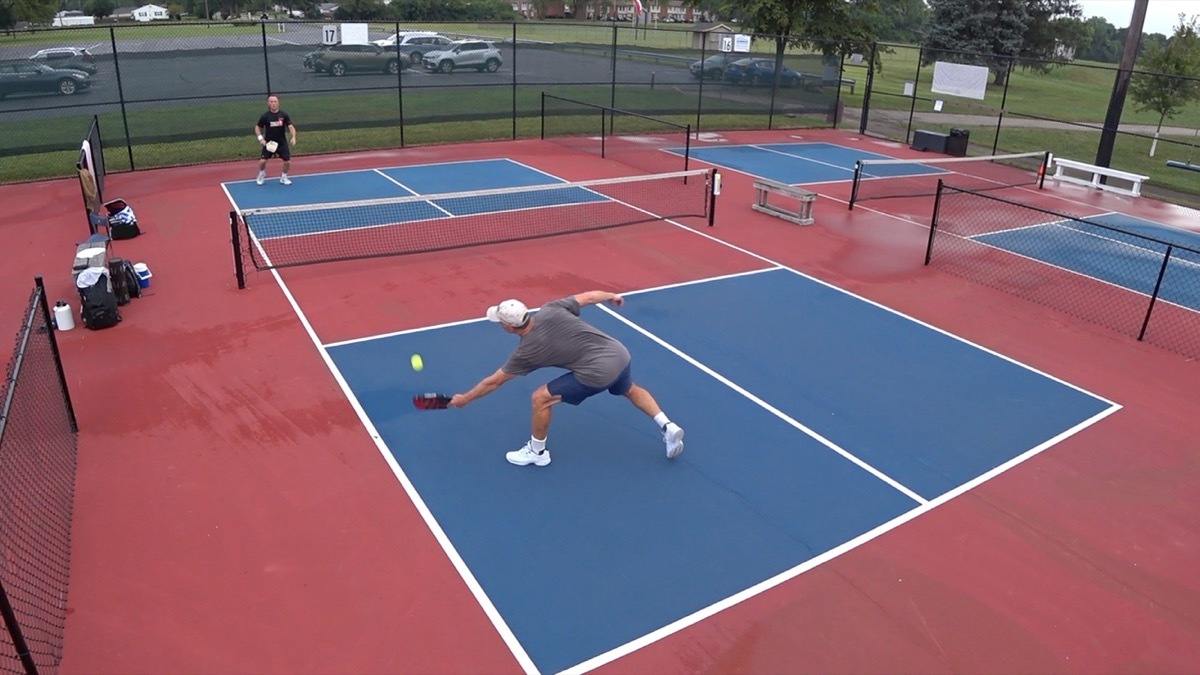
point(662, 420)
point(537, 444)
point(283, 175)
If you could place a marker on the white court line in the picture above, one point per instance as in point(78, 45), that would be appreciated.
point(924, 506)
point(768, 584)
point(895, 484)
point(388, 168)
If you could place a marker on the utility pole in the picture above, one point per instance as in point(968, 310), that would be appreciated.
point(1116, 103)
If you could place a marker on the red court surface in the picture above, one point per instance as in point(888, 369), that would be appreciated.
point(233, 515)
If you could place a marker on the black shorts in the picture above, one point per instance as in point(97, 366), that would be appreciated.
point(284, 151)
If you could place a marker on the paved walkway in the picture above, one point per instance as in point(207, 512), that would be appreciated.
point(949, 119)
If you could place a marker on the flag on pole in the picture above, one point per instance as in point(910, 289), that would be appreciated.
point(637, 7)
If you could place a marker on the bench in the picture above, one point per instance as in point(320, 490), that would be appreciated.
point(802, 214)
point(1095, 172)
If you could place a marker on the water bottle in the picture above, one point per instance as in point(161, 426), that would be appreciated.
point(63, 317)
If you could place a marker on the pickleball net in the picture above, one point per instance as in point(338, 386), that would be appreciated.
point(893, 178)
point(289, 236)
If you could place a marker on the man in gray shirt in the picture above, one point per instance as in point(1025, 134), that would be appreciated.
point(594, 361)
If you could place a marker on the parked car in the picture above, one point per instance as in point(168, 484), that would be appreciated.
point(414, 46)
point(76, 58)
point(19, 77)
point(464, 54)
point(760, 71)
point(713, 66)
point(340, 59)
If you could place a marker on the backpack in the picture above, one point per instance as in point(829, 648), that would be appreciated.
point(98, 303)
point(124, 280)
point(122, 224)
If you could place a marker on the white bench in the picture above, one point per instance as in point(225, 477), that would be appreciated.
point(1095, 172)
point(801, 214)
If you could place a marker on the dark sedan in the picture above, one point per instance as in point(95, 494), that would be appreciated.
point(714, 66)
point(760, 71)
point(19, 77)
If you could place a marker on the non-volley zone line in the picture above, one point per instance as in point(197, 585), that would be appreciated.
point(310, 219)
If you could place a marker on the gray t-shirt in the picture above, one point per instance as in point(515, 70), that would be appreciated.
point(559, 338)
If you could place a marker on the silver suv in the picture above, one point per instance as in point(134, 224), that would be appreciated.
point(464, 54)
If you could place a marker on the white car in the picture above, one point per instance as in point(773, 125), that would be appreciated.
point(414, 45)
point(464, 54)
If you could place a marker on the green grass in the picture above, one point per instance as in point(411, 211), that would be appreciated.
point(344, 121)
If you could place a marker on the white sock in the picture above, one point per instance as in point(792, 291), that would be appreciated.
point(283, 175)
point(661, 420)
point(537, 444)
point(262, 174)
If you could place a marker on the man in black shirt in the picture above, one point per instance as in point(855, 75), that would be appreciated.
point(272, 131)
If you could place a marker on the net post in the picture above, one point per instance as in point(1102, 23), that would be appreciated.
point(714, 189)
point(236, 240)
point(687, 142)
point(933, 221)
point(543, 115)
point(1042, 171)
point(58, 366)
point(854, 184)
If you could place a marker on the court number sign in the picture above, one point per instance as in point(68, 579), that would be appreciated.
point(329, 34)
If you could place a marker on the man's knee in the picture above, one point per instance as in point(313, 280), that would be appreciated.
point(542, 397)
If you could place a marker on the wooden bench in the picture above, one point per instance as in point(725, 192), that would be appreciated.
point(802, 214)
point(1095, 173)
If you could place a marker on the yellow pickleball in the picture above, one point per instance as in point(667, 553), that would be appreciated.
point(417, 362)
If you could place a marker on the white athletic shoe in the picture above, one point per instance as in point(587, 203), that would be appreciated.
point(262, 178)
point(285, 180)
point(526, 455)
point(673, 438)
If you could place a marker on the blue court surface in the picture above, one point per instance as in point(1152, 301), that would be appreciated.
point(800, 163)
point(1118, 257)
point(813, 418)
point(405, 181)
point(398, 183)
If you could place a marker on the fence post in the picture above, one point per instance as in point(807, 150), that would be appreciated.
point(1162, 271)
point(62, 376)
point(112, 37)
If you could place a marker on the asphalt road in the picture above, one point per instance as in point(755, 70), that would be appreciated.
point(167, 72)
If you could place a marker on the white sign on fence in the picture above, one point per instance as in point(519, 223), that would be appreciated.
point(329, 34)
point(355, 34)
point(741, 43)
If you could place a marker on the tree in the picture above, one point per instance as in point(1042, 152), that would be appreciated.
point(33, 11)
point(979, 32)
point(1052, 33)
point(1170, 75)
point(100, 8)
point(900, 21)
point(1102, 42)
point(832, 27)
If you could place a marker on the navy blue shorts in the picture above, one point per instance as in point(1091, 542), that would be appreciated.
point(575, 392)
point(284, 151)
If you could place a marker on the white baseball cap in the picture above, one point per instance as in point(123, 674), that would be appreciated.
point(511, 313)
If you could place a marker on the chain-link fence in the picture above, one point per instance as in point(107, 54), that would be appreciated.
point(1033, 105)
point(1142, 283)
point(38, 445)
point(189, 92)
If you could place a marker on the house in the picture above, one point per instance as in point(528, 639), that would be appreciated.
point(150, 13)
point(122, 13)
point(328, 9)
point(73, 18)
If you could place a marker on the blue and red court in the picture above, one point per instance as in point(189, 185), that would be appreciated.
point(888, 468)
